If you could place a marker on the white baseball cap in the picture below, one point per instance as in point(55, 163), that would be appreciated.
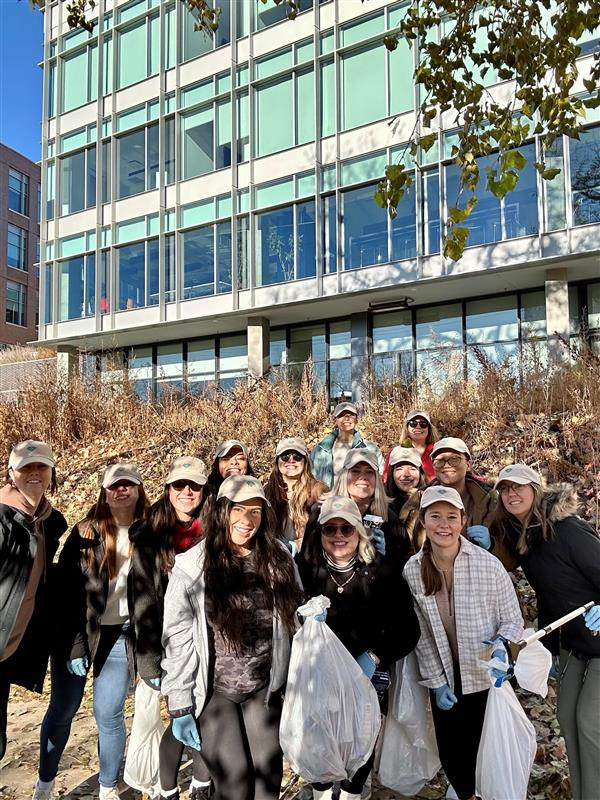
point(519, 473)
point(31, 452)
point(357, 454)
point(342, 407)
point(441, 494)
point(451, 443)
point(343, 507)
point(238, 488)
point(418, 413)
point(121, 472)
point(187, 468)
point(405, 455)
point(228, 445)
point(294, 443)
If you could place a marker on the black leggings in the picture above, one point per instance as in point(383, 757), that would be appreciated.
point(458, 732)
point(354, 786)
point(240, 744)
point(4, 692)
point(170, 755)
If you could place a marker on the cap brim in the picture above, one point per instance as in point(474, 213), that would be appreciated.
point(33, 460)
point(517, 479)
point(136, 481)
point(338, 515)
point(201, 480)
point(443, 500)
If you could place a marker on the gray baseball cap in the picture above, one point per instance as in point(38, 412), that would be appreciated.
point(31, 452)
point(405, 455)
point(294, 443)
point(187, 468)
point(441, 494)
point(519, 473)
point(357, 454)
point(418, 413)
point(121, 472)
point(450, 443)
point(238, 488)
point(228, 445)
point(343, 507)
point(341, 407)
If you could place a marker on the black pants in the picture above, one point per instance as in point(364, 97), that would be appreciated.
point(4, 692)
point(170, 754)
point(240, 744)
point(354, 786)
point(458, 733)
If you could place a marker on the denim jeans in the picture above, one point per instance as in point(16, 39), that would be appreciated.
point(110, 691)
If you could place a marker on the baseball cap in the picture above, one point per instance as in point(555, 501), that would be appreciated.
point(120, 472)
point(228, 445)
point(519, 473)
point(451, 443)
point(408, 455)
point(294, 443)
point(342, 507)
point(341, 407)
point(187, 468)
point(31, 452)
point(418, 413)
point(441, 494)
point(238, 488)
point(358, 454)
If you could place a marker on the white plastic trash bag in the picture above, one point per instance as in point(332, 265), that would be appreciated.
point(330, 718)
point(533, 665)
point(409, 755)
point(141, 764)
point(507, 748)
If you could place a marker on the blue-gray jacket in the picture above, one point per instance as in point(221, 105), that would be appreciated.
point(321, 458)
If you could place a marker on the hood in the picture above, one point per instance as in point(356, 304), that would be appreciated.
point(191, 562)
point(561, 502)
point(137, 531)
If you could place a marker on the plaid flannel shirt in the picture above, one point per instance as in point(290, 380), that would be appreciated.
point(485, 606)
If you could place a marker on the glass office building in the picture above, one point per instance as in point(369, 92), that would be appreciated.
point(208, 206)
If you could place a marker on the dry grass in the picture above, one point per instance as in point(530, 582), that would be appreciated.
point(18, 352)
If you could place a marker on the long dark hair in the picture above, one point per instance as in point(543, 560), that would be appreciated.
point(161, 522)
point(395, 492)
point(224, 577)
point(215, 479)
point(430, 575)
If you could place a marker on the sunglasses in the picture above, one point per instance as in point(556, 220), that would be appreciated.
point(452, 461)
point(290, 455)
point(331, 530)
point(124, 484)
point(418, 423)
point(180, 485)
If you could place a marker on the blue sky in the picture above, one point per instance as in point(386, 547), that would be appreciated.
point(21, 49)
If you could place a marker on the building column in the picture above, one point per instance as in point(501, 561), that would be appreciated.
point(360, 352)
point(557, 316)
point(67, 362)
point(259, 360)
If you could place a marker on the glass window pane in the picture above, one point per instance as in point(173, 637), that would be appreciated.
point(533, 314)
point(108, 66)
point(593, 305)
point(169, 368)
point(233, 359)
point(194, 43)
point(72, 183)
point(340, 378)
point(52, 90)
point(198, 263)
point(104, 281)
point(131, 278)
point(243, 142)
point(140, 369)
point(92, 92)
point(275, 246)
point(132, 63)
point(401, 90)
point(154, 55)
point(492, 320)
point(198, 133)
point(18, 192)
point(307, 342)
point(585, 177)
point(327, 99)
point(305, 107)
point(555, 189)
point(16, 247)
point(201, 362)
point(329, 235)
point(274, 101)
point(392, 332)
point(153, 272)
point(75, 80)
point(152, 159)
point(223, 135)
point(363, 87)
point(224, 256)
point(90, 177)
point(404, 228)
point(47, 293)
point(90, 285)
point(439, 326)
point(306, 242)
point(243, 243)
point(437, 368)
point(520, 206)
point(16, 303)
point(365, 229)
point(131, 161)
point(431, 212)
point(223, 33)
point(498, 355)
point(485, 221)
point(170, 37)
point(70, 289)
point(340, 339)
point(268, 14)
point(277, 348)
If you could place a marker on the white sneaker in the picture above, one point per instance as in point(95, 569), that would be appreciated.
point(43, 794)
point(451, 793)
point(109, 794)
point(347, 796)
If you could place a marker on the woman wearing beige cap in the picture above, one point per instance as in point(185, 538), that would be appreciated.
point(231, 458)
point(229, 615)
point(94, 568)
point(405, 484)
point(371, 608)
point(172, 526)
point(465, 602)
point(537, 528)
point(292, 489)
point(30, 530)
point(420, 433)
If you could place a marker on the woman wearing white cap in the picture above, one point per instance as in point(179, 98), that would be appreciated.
point(172, 526)
point(371, 608)
point(231, 458)
point(327, 458)
point(405, 484)
point(420, 433)
point(466, 604)
point(229, 615)
point(538, 528)
point(292, 489)
point(30, 530)
point(94, 568)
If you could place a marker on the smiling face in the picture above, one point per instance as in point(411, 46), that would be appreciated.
point(291, 464)
point(339, 539)
point(32, 480)
point(244, 521)
point(450, 467)
point(443, 524)
point(233, 463)
point(185, 497)
point(361, 481)
point(517, 498)
point(418, 430)
point(122, 496)
point(406, 476)
point(346, 422)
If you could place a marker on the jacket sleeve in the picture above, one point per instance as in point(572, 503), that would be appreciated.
point(147, 611)
point(397, 631)
point(397, 540)
point(430, 663)
point(510, 617)
point(503, 549)
point(72, 600)
point(584, 549)
point(180, 662)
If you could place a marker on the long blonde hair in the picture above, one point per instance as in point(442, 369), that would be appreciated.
point(380, 502)
point(297, 503)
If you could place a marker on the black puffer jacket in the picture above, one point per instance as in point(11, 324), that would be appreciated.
point(27, 666)
point(564, 572)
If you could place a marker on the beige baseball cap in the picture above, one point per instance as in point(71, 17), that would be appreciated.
point(450, 443)
point(120, 472)
point(358, 454)
point(228, 445)
point(342, 507)
point(238, 488)
point(294, 443)
point(418, 413)
point(31, 452)
point(341, 407)
point(441, 494)
point(519, 473)
point(187, 468)
point(405, 455)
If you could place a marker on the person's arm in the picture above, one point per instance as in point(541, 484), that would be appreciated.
point(147, 611)
point(72, 601)
point(503, 548)
point(584, 548)
point(428, 655)
point(397, 541)
point(396, 627)
point(510, 618)
point(180, 662)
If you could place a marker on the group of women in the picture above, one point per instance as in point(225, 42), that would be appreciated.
point(197, 595)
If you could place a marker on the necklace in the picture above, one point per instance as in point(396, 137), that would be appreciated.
point(340, 586)
point(448, 569)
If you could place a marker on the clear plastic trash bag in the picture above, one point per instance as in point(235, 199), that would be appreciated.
point(330, 718)
point(141, 764)
point(533, 665)
point(409, 755)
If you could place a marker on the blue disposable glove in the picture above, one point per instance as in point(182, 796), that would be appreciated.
point(186, 731)
point(480, 535)
point(555, 668)
point(78, 666)
point(499, 652)
point(292, 547)
point(366, 663)
point(378, 537)
point(592, 618)
point(444, 697)
point(321, 617)
point(154, 682)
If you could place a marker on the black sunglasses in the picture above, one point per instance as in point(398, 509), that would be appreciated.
point(180, 485)
point(291, 455)
point(417, 423)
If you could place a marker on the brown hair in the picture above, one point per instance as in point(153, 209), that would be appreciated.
point(433, 434)
point(538, 515)
point(430, 574)
point(305, 491)
point(162, 522)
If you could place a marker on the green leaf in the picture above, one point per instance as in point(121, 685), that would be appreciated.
point(551, 173)
point(391, 42)
point(428, 141)
point(514, 159)
point(453, 249)
point(380, 199)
